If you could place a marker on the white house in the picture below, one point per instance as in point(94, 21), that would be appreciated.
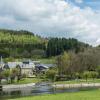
point(27, 67)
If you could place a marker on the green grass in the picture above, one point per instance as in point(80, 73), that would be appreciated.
point(35, 80)
point(78, 81)
point(24, 81)
point(47, 60)
point(82, 95)
point(28, 80)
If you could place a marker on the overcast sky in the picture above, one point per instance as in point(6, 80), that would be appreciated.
point(54, 18)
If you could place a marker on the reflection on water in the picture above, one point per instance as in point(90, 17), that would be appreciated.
point(39, 89)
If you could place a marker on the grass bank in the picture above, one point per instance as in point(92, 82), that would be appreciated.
point(82, 95)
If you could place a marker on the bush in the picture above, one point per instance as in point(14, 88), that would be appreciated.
point(51, 74)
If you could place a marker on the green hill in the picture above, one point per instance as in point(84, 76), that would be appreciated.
point(18, 37)
point(25, 44)
point(20, 43)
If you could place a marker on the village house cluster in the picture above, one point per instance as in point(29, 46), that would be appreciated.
point(27, 67)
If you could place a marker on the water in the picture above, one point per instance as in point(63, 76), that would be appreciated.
point(39, 89)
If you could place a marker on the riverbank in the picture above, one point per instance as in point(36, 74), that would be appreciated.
point(17, 87)
point(82, 95)
point(76, 85)
point(20, 86)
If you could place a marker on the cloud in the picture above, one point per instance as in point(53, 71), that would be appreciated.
point(79, 1)
point(56, 18)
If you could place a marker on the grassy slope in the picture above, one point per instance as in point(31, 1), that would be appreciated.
point(83, 95)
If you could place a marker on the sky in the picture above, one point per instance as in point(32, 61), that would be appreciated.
point(78, 19)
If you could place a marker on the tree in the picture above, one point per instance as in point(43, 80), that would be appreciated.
point(1, 76)
point(77, 75)
point(93, 74)
point(6, 74)
point(14, 73)
point(63, 63)
point(86, 75)
point(87, 60)
point(57, 46)
point(98, 70)
point(18, 74)
point(51, 74)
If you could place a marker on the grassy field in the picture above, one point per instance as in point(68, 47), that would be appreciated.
point(28, 80)
point(78, 81)
point(51, 60)
point(83, 95)
point(35, 80)
point(24, 81)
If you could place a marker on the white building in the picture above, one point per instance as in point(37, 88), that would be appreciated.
point(27, 67)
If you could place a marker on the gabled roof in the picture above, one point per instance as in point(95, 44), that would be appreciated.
point(14, 64)
point(21, 64)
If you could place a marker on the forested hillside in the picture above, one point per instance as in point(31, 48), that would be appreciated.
point(58, 45)
point(24, 44)
point(20, 43)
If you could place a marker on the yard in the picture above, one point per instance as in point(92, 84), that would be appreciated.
point(28, 80)
point(25, 81)
point(51, 60)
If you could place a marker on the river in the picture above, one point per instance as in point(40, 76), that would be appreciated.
point(39, 89)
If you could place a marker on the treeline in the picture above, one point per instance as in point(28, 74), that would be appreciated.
point(56, 46)
point(79, 65)
point(24, 44)
point(20, 32)
point(83, 65)
point(83, 61)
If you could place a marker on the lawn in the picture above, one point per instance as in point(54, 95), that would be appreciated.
point(28, 80)
point(35, 80)
point(83, 95)
point(47, 61)
point(24, 81)
point(78, 81)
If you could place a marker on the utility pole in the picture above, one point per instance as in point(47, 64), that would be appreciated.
point(1, 67)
